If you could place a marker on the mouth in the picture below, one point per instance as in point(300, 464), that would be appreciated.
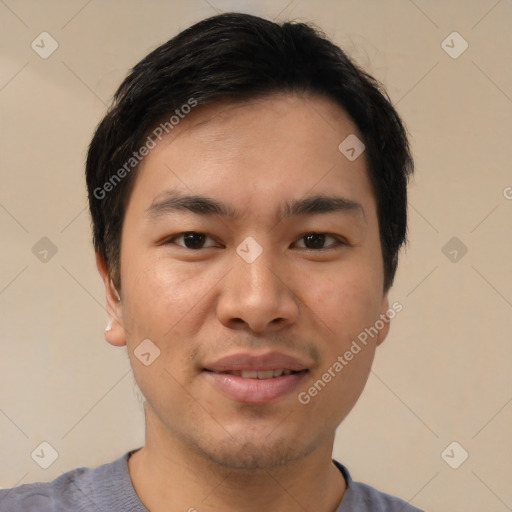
point(256, 387)
point(258, 374)
point(256, 378)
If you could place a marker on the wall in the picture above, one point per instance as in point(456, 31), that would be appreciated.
point(443, 374)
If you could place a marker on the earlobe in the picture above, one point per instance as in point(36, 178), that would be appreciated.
point(114, 331)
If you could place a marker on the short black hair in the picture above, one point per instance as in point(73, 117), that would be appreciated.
point(239, 57)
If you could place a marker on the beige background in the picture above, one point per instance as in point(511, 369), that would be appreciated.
point(442, 375)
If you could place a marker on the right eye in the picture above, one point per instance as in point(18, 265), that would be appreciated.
point(192, 240)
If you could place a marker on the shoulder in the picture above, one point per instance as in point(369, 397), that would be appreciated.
point(45, 496)
point(361, 497)
point(73, 490)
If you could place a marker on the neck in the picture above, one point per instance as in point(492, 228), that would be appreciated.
point(168, 474)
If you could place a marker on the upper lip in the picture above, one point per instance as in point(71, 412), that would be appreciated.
point(245, 361)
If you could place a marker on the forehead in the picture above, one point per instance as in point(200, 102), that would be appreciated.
point(258, 149)
point(317, 114)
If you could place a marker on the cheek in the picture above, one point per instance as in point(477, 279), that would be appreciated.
point(162, 293)
point(334, 391)
point(161, 299)
point(162, 305)
point(347, 300)
point(346, 303)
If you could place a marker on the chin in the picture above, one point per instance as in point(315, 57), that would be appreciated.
point(247, 454)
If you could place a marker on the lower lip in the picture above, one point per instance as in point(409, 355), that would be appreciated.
point(255, 391)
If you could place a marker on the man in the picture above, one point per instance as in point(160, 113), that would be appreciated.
point(248, 197)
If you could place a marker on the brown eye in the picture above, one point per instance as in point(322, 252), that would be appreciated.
point(316, 241)
point(191, 240)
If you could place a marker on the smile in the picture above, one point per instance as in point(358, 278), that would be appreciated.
point(256, 387)
point(261, 374)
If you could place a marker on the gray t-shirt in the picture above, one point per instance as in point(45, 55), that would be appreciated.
point(108, 488)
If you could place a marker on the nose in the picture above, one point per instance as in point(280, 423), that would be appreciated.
point(258, 296)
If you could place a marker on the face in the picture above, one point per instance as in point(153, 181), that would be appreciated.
point(261, 274)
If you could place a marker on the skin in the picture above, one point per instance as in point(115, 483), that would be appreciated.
point(204, 450)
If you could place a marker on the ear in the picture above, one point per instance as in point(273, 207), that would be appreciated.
point(381, 336)
point(114, 333)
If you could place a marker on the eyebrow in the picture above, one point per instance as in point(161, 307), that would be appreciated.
point(173, 201)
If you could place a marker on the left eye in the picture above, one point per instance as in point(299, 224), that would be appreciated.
point(317, 239)
point(194, 240)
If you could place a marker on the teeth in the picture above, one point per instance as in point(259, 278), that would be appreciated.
point(266, 374)
point(249, 374)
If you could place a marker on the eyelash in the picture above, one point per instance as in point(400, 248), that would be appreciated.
point(338, 241)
